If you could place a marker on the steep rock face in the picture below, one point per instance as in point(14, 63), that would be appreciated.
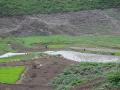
point(72, 23)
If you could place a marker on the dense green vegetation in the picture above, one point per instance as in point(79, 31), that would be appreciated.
point(79, 74)
point(10, 74)
point(112, 82)
point(21, 7)
point(114, 78)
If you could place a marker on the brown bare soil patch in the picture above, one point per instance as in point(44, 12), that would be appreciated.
point(38, 74)
point(72, 23)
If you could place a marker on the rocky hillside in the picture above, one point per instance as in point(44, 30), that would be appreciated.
point(72, 23)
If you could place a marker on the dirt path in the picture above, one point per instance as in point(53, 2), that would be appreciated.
point(24, 87)
point(39, 73)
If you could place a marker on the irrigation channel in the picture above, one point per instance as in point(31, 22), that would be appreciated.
point(75, 56)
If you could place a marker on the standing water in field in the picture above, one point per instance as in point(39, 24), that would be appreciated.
point(84, 57)
point(11, 54)
point(75, 56)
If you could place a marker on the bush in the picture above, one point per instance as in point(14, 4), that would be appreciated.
point(21, 7)
point(114, 78)
point(117, 53)
point(79, 74)
point(65, 82)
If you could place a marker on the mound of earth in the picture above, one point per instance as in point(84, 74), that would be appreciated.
point(72, 23)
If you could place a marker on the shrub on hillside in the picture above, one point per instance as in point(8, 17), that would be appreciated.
point(117, 53)
point(21, 7)
point(114, 78)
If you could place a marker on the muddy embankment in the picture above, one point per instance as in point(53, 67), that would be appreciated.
point(37, 77)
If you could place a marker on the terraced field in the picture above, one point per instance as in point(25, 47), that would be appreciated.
point(59, 45)
point(10, 74)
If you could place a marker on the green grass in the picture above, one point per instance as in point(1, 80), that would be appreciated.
point(4, 46)
point(99, 41)
point(114, 78)
point(54, 40)
point(79, 74)
point(116, 53)
point(112, 82)
point(10, 74)
point(21, 7)
point(62, 41)
point(57, 46)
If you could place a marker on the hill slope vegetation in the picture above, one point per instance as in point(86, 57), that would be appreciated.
point(21, 7)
